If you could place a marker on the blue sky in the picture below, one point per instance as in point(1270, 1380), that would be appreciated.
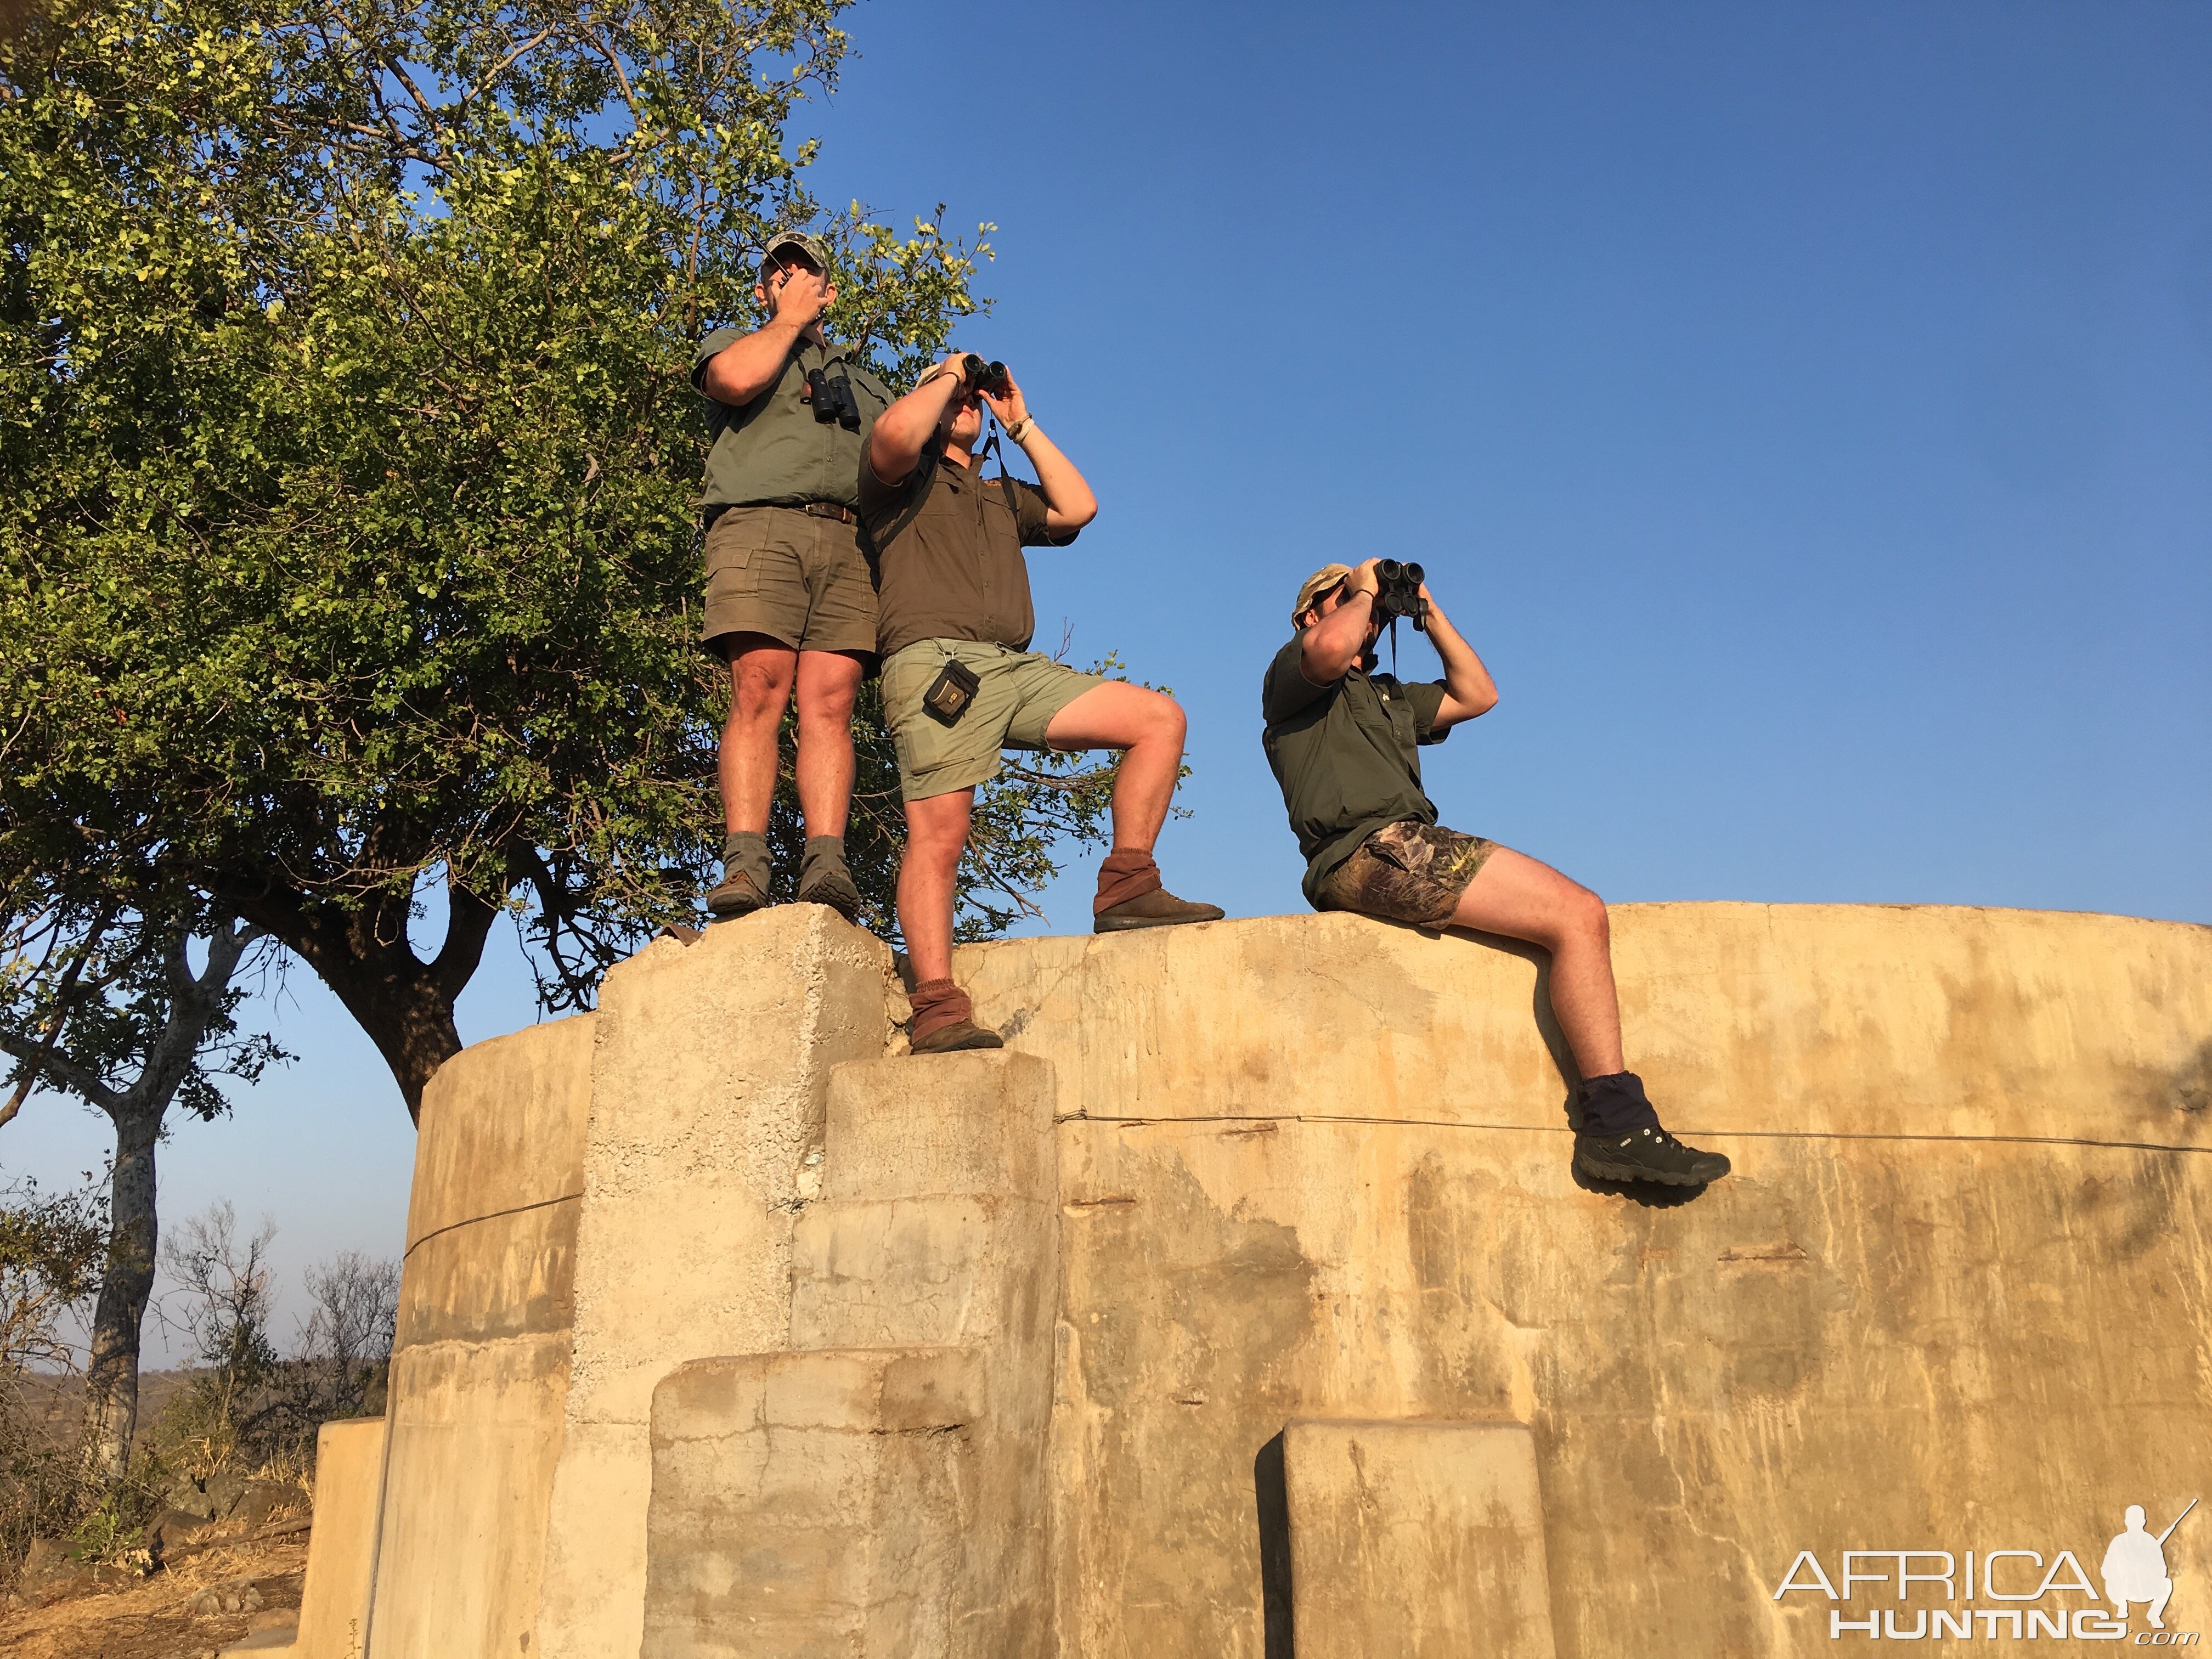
point(1806, 411)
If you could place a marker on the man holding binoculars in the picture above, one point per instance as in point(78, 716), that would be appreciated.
point(960, 682)
point(1343, 742)
point(788, 598)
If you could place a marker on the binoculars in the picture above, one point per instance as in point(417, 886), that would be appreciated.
point(985, 377)
point(833, 400)
point(1398, 594)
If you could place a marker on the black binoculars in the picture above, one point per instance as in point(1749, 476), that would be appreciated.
point(1398, 593)
point(833, 400)
point(985, 377)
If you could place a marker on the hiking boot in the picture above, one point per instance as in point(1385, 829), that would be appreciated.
point(1157, 908)
point(832, 886)
point(1647, 1154)
point(737, 897)
point(949, 1039)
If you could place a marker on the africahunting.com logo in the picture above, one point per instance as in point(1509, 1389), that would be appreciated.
point(2133, 1574)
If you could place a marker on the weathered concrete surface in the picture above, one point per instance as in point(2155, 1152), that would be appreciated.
point(1902, 1323)
point(1752, 1018)
point(814, 1504)
point(1954, 1297)
point(1416, 1540)
point(883, 1527)
point(480, 1367)
point(708, 1091)
point(342, 1549)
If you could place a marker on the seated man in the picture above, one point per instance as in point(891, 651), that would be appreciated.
point(1342, 740)
point(2135, 1570)
point(953, 626)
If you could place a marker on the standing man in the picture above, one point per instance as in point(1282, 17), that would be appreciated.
point(788, 598)
point(1344, 743)
point(960, 682)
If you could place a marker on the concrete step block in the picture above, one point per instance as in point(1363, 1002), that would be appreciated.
point(811, 1504)
point(1416, 1540)
point(926, 1124)
point(958, 1268)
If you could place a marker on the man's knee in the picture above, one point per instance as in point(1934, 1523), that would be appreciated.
point(1164, 719)
point(1586, 916)
point(759, 690)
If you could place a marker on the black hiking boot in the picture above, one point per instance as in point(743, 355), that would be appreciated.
point(737, 897)
point(1647, 1154)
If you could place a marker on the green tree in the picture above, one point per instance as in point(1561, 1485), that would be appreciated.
point(347, 465)
point(110, 1008)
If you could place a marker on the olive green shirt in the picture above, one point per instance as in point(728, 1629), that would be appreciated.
point(1345, 755)
point(945, 546)
point(771, 452)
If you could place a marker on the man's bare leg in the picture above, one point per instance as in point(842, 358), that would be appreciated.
point(1620, 1138)
point(936, 833)
point(1148, 727)
point(761, 674)
point(1514, 895)
point(828, 682)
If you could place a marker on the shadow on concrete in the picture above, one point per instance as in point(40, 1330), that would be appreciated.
point(1274, 1502)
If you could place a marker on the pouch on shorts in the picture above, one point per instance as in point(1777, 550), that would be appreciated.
point(950, 693)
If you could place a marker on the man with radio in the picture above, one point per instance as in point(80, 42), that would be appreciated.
point(960, 682)
point(789, 602)
point(1344, 742)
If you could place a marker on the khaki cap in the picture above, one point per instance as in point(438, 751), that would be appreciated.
point(1316, 585)
point(799, 239)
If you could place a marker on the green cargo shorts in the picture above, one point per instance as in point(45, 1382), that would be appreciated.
point(793, 576)
point(1021, 691)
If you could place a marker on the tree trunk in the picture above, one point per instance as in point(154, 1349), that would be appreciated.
point(111, 1376)
point(405, 1005)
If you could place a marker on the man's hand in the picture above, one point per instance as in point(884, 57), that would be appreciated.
point(1362, 579)
point(799, 297)
point(1011, 410)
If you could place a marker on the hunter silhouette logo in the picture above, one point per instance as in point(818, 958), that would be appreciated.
point(2135, 1567)
point(2020, 1595)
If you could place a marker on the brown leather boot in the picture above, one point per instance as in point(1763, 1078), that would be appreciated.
point(1157, 908)
point(737, 897)
point(943, 1022)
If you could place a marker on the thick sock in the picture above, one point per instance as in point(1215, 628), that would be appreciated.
point(937, 1003)
point(746, 850)
point(822, 855)
point(1615, 1105)
point(1126, 874)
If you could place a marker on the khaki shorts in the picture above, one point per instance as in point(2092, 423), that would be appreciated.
point(1409, 871)
point(794, 577)
point(1021, 691)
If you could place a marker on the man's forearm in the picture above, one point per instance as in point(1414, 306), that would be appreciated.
point(1466, 681)
point(1333, 644)
point(903, 431)
point(745, 368)
point(1066, 492)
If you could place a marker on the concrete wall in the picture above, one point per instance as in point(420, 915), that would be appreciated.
point(342, 1549)
point(1314, 1169)
point(1956, 1295)
point(480, 1369)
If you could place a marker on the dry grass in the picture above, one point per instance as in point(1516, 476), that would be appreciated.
point(149, 1621)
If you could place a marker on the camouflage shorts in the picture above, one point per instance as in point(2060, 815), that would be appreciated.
point(1408, 871)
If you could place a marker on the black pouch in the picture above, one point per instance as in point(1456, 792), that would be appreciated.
point(950, 692)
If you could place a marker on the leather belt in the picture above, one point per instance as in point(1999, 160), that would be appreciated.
point(814, 509)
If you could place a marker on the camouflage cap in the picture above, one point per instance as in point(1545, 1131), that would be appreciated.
point(1316, 585)
point(798, 238)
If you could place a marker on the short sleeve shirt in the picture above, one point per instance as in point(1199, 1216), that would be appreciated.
point(945, 546)
point(771, 452)
point(1345, 755)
